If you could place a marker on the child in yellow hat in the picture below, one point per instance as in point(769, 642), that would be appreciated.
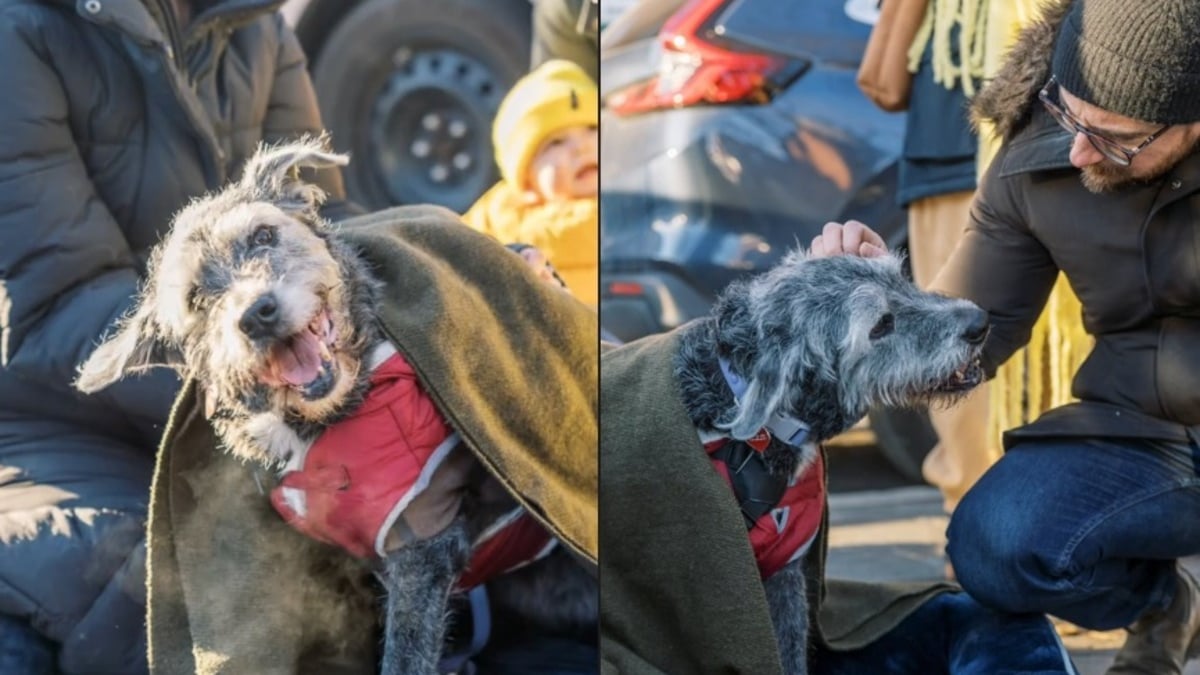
point(548, 153)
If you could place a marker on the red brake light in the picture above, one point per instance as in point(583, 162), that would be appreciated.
point(625, 288)
point(694, 70)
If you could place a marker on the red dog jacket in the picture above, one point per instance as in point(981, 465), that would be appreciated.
point(395, 466)
point(782, 519)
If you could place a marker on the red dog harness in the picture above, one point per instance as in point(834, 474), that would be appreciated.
point(395, 465)
point(782, 517)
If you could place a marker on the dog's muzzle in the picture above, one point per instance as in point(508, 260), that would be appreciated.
point(304, 360)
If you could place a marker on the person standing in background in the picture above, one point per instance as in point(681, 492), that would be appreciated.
point(116, 113)
point(936, 185)
point(567, 29)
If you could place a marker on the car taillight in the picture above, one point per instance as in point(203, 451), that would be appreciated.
point(626, 288)
point(697, 67)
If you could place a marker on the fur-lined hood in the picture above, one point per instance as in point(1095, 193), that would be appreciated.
point(1008, 99)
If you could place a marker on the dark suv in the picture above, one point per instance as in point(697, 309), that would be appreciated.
point(733, 130)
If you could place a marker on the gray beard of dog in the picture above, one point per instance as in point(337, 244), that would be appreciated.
point(554, 595)
point(812, 339)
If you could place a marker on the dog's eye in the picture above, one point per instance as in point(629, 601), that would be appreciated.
point(886, 323)
point(194, 299)
point(264, 235)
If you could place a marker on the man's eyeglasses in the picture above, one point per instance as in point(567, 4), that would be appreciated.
point(1112, 150)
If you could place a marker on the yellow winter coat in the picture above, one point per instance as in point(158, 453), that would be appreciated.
point(568, 233)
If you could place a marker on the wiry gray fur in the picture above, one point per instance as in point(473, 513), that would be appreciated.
point(419, 578)
point(203, 278)
point(808, 337)
point(197, 265)
point(788, 602)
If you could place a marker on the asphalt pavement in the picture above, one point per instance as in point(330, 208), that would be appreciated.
point(886, 527)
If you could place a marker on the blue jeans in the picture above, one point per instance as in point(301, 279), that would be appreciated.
point(1085, 529)
point(952, 634)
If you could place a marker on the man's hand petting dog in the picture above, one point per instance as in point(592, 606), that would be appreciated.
point(541, 266)
point(850, 238)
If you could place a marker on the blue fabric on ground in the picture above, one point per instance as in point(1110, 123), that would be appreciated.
point(23, 651)
point(952, 634)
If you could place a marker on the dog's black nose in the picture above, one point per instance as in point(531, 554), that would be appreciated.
point(260, 320)
point(977, 326)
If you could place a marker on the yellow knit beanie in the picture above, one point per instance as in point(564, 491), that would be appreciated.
point(556, 95)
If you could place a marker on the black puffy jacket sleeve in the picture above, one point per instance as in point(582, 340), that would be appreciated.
point(66, 270)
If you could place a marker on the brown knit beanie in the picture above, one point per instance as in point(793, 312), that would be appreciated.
point(1137, 58)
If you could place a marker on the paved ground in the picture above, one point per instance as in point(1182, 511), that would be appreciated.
point(896, 532)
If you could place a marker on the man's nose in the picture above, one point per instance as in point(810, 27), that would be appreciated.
point(1083, 153)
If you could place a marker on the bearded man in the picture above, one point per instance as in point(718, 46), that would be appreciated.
point(1092, 505)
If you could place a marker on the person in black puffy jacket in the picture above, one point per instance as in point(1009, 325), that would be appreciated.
point(115, 113)
point(567, 29)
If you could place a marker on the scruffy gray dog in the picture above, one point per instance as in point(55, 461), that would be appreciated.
point(253, 295)
point(803, 351)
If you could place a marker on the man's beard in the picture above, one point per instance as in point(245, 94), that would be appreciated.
point(1106, 176)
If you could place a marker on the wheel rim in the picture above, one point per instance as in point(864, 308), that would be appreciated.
point(430, 128)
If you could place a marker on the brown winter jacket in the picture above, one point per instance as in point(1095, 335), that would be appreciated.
point(1130, 256)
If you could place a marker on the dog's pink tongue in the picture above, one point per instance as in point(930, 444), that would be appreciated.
point(300, 362)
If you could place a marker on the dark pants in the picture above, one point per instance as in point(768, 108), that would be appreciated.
point(546, 656)
point(23, 651)
point(1087, 530)
point(72, 558)
point(953, 634)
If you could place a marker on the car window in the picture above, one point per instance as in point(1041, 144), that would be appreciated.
point(642, 21)
point(831, 31)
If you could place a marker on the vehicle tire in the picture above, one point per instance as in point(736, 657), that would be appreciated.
point(904, 437)
point(410, 87)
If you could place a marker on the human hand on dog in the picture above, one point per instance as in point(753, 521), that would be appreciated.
point(537, 261)
point(850, 238)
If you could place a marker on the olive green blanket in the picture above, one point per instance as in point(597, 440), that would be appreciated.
point(512, 363)
point(679, 587)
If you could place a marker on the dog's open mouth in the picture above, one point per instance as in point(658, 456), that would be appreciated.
point(304, 361)
point(967, 377)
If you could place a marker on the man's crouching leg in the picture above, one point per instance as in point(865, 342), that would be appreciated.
point(1089, 531)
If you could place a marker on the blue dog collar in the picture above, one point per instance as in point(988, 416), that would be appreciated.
point(784, 427)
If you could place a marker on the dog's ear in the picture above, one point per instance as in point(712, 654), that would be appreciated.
point(274, 172)
point(133, 347)
point(778, 366)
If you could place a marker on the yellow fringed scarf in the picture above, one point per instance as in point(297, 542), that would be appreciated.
point(1038, 377)
point(940, 18)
